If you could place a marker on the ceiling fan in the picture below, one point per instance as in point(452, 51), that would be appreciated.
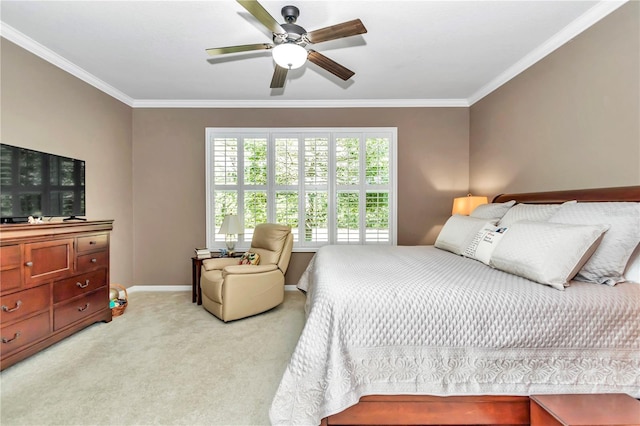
point(290, 40)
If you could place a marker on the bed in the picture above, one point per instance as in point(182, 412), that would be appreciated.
point(420, 335)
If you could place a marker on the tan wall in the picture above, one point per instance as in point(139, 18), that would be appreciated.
point(169, 175)
point(47, 109)
point(570, 121)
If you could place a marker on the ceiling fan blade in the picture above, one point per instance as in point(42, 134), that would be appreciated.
point(241, 48)
point(333, 32)
point(279, 77)
point(330, 65)
point(259, 12)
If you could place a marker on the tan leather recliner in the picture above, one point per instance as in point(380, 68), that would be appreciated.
point(231, 291)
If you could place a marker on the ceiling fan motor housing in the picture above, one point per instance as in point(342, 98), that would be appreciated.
point(294, 34)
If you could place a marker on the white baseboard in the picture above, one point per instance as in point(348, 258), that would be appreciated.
point(137, 288)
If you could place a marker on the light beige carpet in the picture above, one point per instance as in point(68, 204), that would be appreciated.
point(165, 361)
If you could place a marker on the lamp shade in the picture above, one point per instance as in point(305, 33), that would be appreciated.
point(465, 205)
point(231, 225)
point(290, 55)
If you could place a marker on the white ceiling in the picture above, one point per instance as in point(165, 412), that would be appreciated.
point(415, 53)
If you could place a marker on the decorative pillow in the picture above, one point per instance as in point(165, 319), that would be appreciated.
point(534, 212)
point(492, 211)
point(607, 265)
point(458, 231)
point(249, 258)
point(484, 243)
point(548, 253)
point(632, 272)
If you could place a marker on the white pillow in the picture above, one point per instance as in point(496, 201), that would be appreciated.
point(607, 265)
point(484, 243)
point(492, 210)
point(458, 231)
point(632, 272)
point(535, 212)
point(548, 253)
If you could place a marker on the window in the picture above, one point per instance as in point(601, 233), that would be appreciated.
point(332, 186)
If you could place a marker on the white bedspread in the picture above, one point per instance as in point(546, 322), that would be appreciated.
point(419, 320)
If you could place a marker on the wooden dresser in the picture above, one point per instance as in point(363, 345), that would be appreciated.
point(54, 281)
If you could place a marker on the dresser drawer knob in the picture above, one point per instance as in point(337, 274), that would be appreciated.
point(85, 285)
point(94, 260)
point(15, 336)
point(92, 242)
point(7, 309)
point(29, 264)
point(84, 308)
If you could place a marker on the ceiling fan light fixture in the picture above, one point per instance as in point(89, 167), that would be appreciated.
point(290, 55)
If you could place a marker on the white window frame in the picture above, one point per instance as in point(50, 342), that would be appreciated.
point(300, 132)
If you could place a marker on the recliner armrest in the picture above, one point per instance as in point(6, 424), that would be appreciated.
point(248, 269)
point(219, 263)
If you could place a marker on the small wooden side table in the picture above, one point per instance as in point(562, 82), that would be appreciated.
point(196, 272)
point(584, 409)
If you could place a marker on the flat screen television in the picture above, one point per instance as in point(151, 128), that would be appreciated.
point(38, 184)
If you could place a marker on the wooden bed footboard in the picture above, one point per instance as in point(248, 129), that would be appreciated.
point(433, 410)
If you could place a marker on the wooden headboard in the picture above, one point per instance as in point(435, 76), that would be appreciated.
point(620, 193)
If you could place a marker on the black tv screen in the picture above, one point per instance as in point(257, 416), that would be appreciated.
point(38, 184)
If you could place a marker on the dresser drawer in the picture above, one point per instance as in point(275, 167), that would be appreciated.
point(10, 256)
point(89, 262)
point(75, 286)
point(74, 310)
point(21, 333)
point(92, 242)
point(10, 267)
point(25, 302)
point(10, 279)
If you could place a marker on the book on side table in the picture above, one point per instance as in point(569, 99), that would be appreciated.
point(203, 253)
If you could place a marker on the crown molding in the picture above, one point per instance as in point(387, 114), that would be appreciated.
point(335, 103)
point(586, 20)
point(29, 44)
